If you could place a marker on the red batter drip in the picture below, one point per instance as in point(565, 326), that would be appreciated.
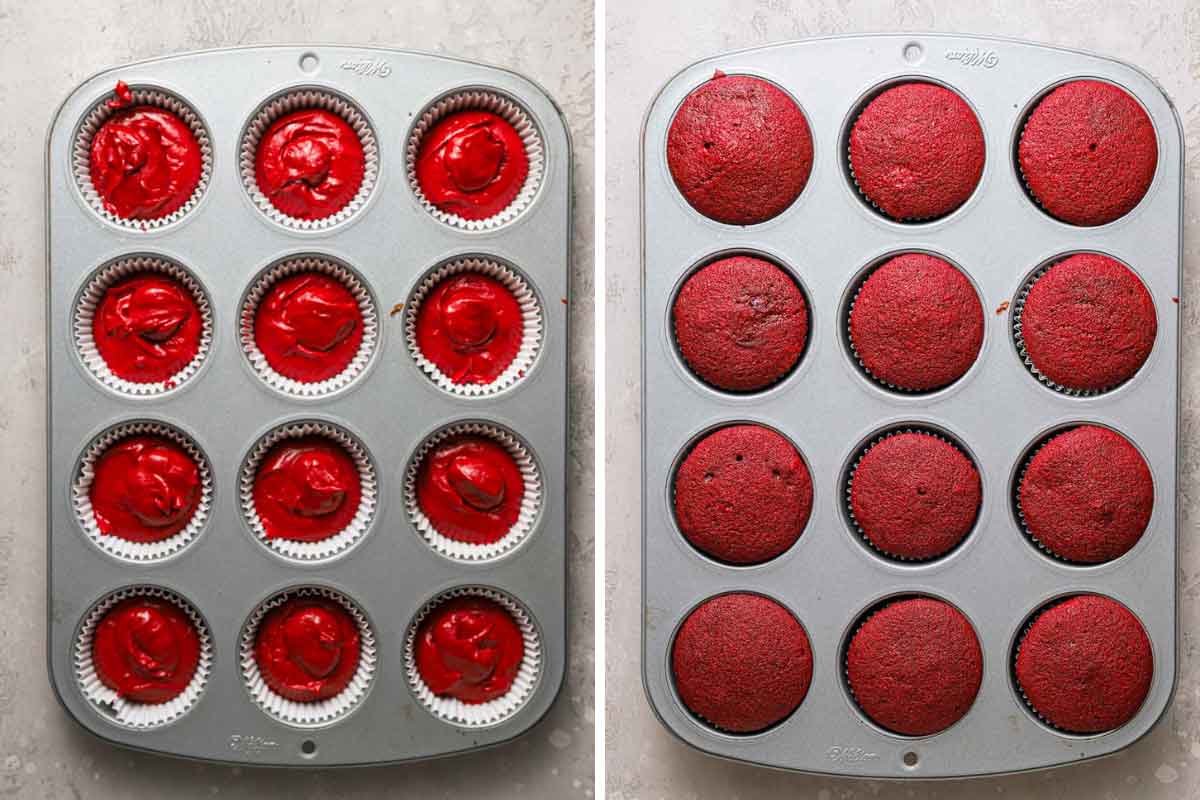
point(146, 650)
point(471, 489)
point(309, 164)
point(145, 489)
point(307, 649)
point(471, 327)
point(469, 648)
point(472, 164)
point(145, 161)
point(309, 327)
point(147, 328)
point(307, 489)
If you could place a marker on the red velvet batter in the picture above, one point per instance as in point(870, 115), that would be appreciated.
point(469, 648)
point(743, 494)
point(471, 327)
point(739, 149)
point(1088, 152)
point(145, 489)
point(741, 323)
point(1087, 495)
point(147, 328)
point(1088, 322)
point(741, 662)
point(917, 151)
point(309, 164)
point(471, 489)
point(309, 327)
point(915, 666)
point(472, 163)
point(917, 323)
point(307, 649)
point(146, 650)
point(1085, 665)
point(306, 489)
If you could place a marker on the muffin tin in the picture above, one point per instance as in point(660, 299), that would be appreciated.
point(224, 405)
point(830, 409)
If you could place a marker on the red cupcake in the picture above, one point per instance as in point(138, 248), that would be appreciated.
point(307, 489)
point(1088, 152)
point(145, 488)
point(741, 323)
point(470, 488)
point(307, 649)
point(915, 666)
point(470, 649)
point(147, 327)
point(743, 494)
point(1085, 665)
point(146, 649)
point(1086, 495)
point(309, 164)
point(309, 327)
point(471, 164)
point(470, 327)
point(739, 149)
point(741, 662)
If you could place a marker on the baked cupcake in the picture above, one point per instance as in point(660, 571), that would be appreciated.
point(915, 666)
point(145, 488)
point(1088, 152)
point(309, 327)
point(743, 494)
point(916, 151)
point(1086, 324)
point(914, 496)
point(146, 650)
point(741, 323)
point(470, 488)
point(472, 164)
point(739, 149)
point(916, 323)
point(469, 648)
point(471, 327)
point(309, 163)
point(307, 489)
point(307, 649)
point(1085, 665)
point(1086, 495)
point(741, 662)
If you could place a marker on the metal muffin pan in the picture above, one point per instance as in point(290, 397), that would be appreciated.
point(829, 408)
point(391, 243)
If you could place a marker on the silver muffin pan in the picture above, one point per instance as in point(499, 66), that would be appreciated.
point(391, 243)
point(828, 407)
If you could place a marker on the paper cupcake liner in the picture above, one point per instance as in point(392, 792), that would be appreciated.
point(492, 712)
point(1016, 498)
point(141, 716)
point(139, 552)
point(1013, 667)
point(320, 712)
point(304, 100)
point(366, 307)
point(93, 294)
point(341, 541)
point(858, 359)
point(508, 110)
point(531, 501)
point(95, 119)
point(531, 315)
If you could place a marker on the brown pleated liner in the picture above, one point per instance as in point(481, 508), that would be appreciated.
point(531, 316)
point(477, 715)
point(508, 110)
point(140, 716)
point(101, 113)
point(854, 351)
point(318, 713)
point(531, 502)
point(139, 552)
point(305, 100)
point(93, 295)
point(340, 542)
point(366, 307)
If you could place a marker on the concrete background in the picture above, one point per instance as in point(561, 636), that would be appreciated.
point(45, 49)
point(647, 43)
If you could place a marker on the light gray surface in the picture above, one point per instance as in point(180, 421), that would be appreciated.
point(48, 48)
point(647, 44)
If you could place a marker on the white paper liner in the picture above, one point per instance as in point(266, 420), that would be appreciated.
point(95, 119)
point(126, 712)
point(531, 501)
point(305, 100)
point(319, 712)
point(139, 552)
point(492, 712)
point(341, 541)
point(531, 316)
point(508, 110)
point(366, 307)
point(93, 294)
